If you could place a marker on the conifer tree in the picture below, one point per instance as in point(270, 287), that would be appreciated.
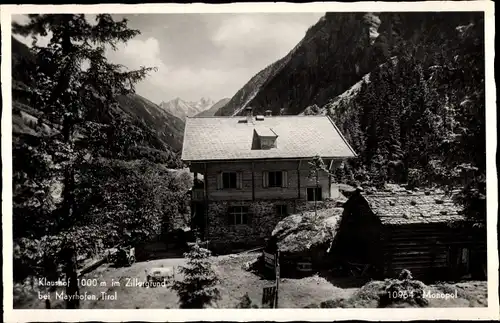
point(422, 117)
point(75, 85)
point(198, 289)
point(465, 146)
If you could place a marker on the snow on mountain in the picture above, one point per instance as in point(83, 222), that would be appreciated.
point(183, 109)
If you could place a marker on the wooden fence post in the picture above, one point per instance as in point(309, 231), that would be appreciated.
point(277, 270)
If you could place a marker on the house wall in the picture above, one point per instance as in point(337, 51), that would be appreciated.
point(224, 237)
point(298, 179)
point(262, 201)
point(426, 249)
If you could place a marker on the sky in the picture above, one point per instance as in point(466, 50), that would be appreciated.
point(209, 55)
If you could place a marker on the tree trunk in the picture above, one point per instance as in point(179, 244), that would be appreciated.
point(72, 289)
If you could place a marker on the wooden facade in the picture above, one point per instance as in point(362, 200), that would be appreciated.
point(429, 246)
point(255, 191)
point(251, 180)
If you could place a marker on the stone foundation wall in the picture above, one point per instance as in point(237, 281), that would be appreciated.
point(225, 237)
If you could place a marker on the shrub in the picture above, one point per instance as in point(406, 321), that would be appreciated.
point(403, 290)
point(246, 302)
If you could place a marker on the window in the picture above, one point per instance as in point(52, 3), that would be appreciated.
point(281, 210)
point(229, 180)
point(238, 215)
point(274, 179)
point(314, 194)
point(267, 143)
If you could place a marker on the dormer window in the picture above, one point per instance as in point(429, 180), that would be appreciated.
point(265, 138)
point(267, 142)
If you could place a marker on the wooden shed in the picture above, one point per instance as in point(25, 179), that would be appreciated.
point(423, 232)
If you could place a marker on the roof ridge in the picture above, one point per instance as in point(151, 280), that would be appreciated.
point(341, 135)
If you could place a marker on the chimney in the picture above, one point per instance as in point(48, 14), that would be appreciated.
point(248, 111)
point(269, 113)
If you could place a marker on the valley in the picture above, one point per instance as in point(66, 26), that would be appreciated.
point(97, 164)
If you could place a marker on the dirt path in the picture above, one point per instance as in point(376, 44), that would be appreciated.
point(234, 283)
point(129, 293)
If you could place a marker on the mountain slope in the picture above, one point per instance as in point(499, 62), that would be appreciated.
point(241, 99)
point(405, 89)
point(214, 108)
point(166, 128)
point(334, 54)
point(293, 83)
point(182, 109)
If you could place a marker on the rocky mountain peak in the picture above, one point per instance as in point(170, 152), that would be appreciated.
point(183, 109)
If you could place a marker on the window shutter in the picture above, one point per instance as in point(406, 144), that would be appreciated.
point(265, 179)
point(239, 180)
point(284, 179)
point(219, 181)
point(230, 216)
point(249, 216)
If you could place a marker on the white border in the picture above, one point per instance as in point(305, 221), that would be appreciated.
point(491, 312)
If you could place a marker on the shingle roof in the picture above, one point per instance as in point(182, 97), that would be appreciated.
point(227, 138)
point(413, 207)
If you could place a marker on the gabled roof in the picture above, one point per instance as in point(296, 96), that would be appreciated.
point(408, 207)
point(230, 138)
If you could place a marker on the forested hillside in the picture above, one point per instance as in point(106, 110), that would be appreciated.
point(420, 118)
point(92, 160)
point(406, 89)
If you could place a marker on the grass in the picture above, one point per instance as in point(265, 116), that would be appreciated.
point(371, 295)
point(314, 291)
point(293, 293)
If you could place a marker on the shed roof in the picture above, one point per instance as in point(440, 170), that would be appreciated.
point(230, 138)
point(399, 208)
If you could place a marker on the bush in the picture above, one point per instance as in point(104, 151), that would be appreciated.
point(246, 302)
point(409, 292)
